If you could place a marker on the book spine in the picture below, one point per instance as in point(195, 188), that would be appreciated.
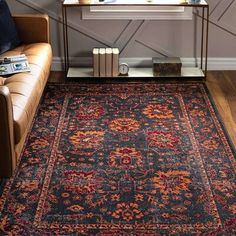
point(108, 62)
point(115, 62)
point(102, 62)
point(96, 62)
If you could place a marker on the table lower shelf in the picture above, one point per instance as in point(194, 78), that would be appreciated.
point(192, 72)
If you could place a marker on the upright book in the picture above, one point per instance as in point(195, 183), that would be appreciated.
point(115, 62)
point(96, 62)
point(102, 62)
point(108, 62)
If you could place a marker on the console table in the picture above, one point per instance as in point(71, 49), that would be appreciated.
point(196, 72)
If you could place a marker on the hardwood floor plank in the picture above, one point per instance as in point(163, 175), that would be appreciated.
point(223, 90)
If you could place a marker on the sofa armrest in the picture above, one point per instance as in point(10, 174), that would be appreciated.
point(7, 153)
point(32, 28)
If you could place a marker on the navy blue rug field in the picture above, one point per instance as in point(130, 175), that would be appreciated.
point(123, 159)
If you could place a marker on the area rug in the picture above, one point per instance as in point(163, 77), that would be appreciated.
point(123, 159)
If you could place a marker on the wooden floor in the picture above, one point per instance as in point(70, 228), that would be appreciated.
point(222, 86)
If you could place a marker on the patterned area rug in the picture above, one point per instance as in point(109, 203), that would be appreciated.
point(123, 159)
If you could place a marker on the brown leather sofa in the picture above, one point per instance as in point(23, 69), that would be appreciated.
point(20, 93)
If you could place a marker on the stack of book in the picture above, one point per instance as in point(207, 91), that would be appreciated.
point(105, 62)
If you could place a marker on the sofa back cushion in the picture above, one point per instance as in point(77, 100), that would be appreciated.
point(8, 33)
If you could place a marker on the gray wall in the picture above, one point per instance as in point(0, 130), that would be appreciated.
point(139, 40)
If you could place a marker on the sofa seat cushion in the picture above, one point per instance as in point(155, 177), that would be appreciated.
point(25, 88)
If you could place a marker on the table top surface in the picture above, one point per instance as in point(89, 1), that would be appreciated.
point(186, 3)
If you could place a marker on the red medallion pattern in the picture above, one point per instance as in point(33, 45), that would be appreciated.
point(87, 139)
point(90, 111)
point(159, 111)
point(172, 182)
point(123, 159)
point(162, 139)
point(124, 125)
point(127, 212)
point(84, 182)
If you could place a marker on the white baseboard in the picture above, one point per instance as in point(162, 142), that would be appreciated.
point(222, 63)
point(219, 63)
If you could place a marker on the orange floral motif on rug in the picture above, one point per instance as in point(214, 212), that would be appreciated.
point(123, 159)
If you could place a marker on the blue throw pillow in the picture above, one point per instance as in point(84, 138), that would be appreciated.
point(8, 35)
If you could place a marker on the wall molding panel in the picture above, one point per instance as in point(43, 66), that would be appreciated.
point(223, 15)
